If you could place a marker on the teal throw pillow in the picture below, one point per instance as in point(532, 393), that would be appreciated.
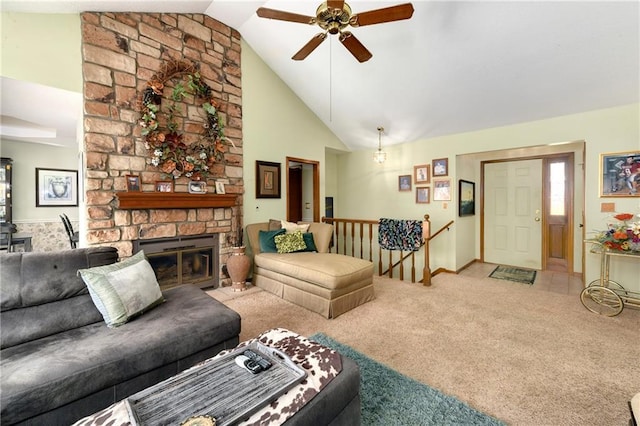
point(309, 242)
point(123, 290)
point(267, 241)
point(290, 242)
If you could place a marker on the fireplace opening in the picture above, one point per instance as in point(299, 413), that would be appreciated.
point(183, 260)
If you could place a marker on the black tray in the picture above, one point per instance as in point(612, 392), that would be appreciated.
point(220, 389)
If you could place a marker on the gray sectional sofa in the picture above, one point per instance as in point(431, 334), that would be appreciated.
point(59, 360)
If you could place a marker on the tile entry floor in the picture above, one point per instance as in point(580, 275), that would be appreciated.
point(557, 282)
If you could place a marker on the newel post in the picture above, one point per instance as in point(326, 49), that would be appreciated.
point(426, 234)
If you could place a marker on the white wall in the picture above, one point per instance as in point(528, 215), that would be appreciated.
point(364, 183)
point(276, 124)
point(26, 157)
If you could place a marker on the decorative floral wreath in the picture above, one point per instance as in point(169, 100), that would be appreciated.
point(166, 147)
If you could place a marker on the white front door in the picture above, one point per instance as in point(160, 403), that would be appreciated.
point(513, 213)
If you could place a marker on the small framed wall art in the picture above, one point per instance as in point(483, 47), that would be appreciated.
point(620, 174)
point(267, 179)
point(404, 183)
point(466, 198)
point(220, 188)
point(164, 186)
point(442, 190)
point(440, 167)
point(56, 188)
point(421, 173)
point(133, 183)
point(423, 194)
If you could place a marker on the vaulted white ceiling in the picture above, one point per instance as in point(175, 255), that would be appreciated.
point(453, 67)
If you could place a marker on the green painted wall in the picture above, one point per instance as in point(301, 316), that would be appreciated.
point(42, 48)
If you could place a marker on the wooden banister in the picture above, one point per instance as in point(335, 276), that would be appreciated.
point(348, 233)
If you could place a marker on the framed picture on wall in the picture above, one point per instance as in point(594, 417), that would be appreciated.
point(440, 167)
point(442, 190)
point(466, 198)
point(620, 174)
point(423, 194)
point(404, 183)
point(267, 179)
point(56, 187)
point(421, 173)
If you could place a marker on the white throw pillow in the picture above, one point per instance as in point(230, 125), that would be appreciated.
point(123, 290)
point(292, 227)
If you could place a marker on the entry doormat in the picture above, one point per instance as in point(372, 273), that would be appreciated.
point(391, 398)
point(519, 275)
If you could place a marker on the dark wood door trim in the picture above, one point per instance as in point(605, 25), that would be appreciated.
point(316, 183)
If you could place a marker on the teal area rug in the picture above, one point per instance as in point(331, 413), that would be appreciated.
point(519, 275)
point(390, 398)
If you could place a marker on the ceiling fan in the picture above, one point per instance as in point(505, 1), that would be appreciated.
point(333, 17)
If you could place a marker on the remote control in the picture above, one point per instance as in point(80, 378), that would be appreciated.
point(249, 364)
point(262, 362)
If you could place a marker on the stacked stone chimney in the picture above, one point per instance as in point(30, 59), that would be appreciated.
point(120, 53)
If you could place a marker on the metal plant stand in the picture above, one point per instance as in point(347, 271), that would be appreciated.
point(603, 295)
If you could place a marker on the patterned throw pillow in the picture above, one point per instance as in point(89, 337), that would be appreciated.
point(290, 242)
point(123, 290)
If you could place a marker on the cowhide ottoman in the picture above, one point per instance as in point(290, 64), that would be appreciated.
point(330, 395)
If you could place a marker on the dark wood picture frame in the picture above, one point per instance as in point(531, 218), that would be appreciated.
point(466, 198)
point(423, 194)
point(133, 183)
point(56, 187)
point(404, 183)
point(267, 179)
point(440, 167)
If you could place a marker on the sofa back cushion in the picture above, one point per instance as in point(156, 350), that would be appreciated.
point(42, 294)
point(322, 233)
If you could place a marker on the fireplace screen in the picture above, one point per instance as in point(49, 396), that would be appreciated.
point(183, 260)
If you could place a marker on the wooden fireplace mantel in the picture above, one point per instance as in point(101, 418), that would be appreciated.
point(173, 200)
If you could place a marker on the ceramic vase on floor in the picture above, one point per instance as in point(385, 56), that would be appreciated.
point(238, 265)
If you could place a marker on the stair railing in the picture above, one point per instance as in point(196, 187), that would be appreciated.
point(359, 238)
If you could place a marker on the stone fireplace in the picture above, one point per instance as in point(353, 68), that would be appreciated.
point(121, 52)
point(183, 260)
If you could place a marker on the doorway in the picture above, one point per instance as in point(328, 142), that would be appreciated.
point(527, 212)
point(303, 189)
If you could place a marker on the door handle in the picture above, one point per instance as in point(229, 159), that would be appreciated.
point(537, 219)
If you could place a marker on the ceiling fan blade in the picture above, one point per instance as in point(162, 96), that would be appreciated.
point(378, 16)
point(335, 4)
point(354, 46)
point(264, 12)
point(309, 47)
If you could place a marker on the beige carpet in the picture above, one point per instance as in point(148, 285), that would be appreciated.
point(525, 356)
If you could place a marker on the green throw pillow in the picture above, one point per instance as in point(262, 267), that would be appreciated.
point(267, 241)
point(123, 290)
point(309, 242)
point(290, 242)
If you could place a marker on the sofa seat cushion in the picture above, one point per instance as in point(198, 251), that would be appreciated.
point(46, 373)
point(328, 270)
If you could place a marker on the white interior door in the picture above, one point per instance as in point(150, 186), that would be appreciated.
point(513, 213)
